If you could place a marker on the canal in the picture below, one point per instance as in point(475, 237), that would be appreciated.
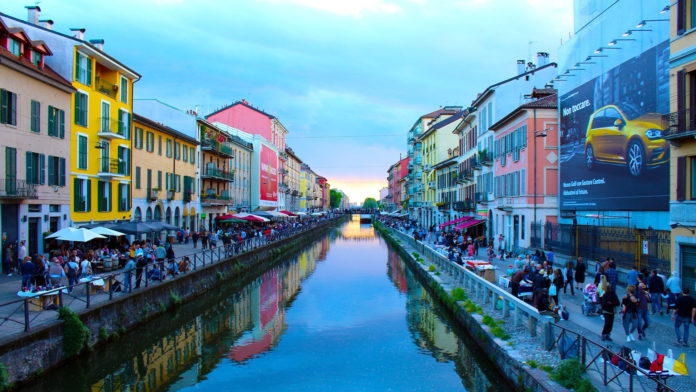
point(343, 314)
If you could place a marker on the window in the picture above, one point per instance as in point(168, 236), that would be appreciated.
point(177, 182)
point(15, 47)
point(123, 160)
point(523, 190)
point(159, 144)
point(82, 152)
point(124, 123)
point(150, 142)
point(137, 177)
point(104, 196)
point(56, 122)
point(185, 154)
point(124, 90)
point(56, 171)
point(177, 150)
point(83, 69)
point(82, 201)
point(159, 179)
point(36, 168)
point(522, 229)
point(8, 107)
point(81, 108)
point(105, 119)
point(36, 58)
point(35, 116)
point(169, 148)
point(138, 138)
point(123, 197)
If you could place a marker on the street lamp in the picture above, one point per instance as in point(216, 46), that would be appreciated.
point(537, 134)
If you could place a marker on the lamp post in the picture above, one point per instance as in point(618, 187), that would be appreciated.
point(537, 134)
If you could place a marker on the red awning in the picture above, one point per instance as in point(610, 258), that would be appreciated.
point(460, 220)
point(470, 223)
point(287, 213)
point(225, 217)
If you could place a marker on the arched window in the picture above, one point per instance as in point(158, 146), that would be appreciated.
point(148, 214)
point(158, 213)
point(137, 215)
point(168, 216)
point(177, 213)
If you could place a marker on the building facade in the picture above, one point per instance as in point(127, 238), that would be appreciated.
point(216, 173)
point(35, 122)
point(292, 181)
point(165, 163)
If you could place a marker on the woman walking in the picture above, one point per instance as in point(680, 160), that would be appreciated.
point(569, 278)
point(629, 308)
point(609, 301)
point(580, 269)
point(557, 284)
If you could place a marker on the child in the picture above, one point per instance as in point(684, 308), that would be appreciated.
point(671, 299)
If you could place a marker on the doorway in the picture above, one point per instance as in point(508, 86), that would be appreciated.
point(33, 236)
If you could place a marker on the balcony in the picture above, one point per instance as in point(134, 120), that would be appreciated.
point(112, 129)
point(443, 206)
point(187, 195)
point(417, 160)
point(111, 168)
point(482, 198)
point(12, 188)
point(283, 155)
point(418, 146)
point(283, 171)
point(211, 198)
point(485, 158)
point(213, 172)
point(217, 147)
point(106, 87)
point(505, 204)
point(475, 164)
point(152, 194)
point(431, 184)
point(171, 193)
point(466, 175)
point(679, 125)
point(465, 205)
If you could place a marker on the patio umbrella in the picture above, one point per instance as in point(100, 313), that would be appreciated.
point(224, 217)
point(231, 220)
point(287, 213)
point(277, 214)
point(80, 235)
point(250, 217)
point(135, 228)
point(61, 232)
point(159, 226)
point(264, 214)
point(107, 232)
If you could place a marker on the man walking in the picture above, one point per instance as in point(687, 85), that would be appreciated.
point(656, 287)
point(684, 314)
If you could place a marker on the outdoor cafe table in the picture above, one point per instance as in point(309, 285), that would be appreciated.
point(96, 283)
point(41, 299)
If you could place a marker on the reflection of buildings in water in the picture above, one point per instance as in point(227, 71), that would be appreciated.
point(396, 270)
point(161, 364)
point(355, 231)
point(473, 378)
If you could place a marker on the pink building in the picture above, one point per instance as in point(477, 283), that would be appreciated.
point(526, 170)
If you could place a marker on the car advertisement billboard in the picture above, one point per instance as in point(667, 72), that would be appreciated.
point(268, 197)
point(613, 155)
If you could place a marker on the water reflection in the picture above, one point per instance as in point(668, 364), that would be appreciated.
point(323, 319)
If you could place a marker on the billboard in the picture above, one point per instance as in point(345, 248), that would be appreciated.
point(268, 196)
point(612, 152)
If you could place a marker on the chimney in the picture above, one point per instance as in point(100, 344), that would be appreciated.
point(33, 14)
point(542, 59)
point(46, 23)
point(78, 32)
point(520, 67)
point(530, 66)
point(99, 43)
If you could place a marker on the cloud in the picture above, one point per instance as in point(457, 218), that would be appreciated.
point(354, 8)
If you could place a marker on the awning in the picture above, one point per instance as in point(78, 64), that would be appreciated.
point(452, 222)
point(468, 224)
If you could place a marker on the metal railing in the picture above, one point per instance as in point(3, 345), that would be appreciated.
point(212, 171)
point(681, 123)
point(111, 125)
point(105, 87)
point(215, 145)
point(12, 188)
point(26, 312)
point(595, 358)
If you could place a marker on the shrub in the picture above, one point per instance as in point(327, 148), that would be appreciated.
point(546, 368)
point(5, 383)
point(458, 294)
point(431, 268)
point(488, 320)
point(174, 298)
point(568, 373)
point(532, 364)
point(75, 334)
point(500, 333)
point(103, 334)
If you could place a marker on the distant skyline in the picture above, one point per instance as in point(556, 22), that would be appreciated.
point(347, 78)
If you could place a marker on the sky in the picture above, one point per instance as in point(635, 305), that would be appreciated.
point(347, 78)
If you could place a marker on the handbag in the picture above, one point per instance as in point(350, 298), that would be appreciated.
point(553, 291)
point(680, 365)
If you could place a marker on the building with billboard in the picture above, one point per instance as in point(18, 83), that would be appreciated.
point(681, 130)
point(613, 87)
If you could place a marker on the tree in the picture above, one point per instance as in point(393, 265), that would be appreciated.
point(335, 198)
point(370, 202)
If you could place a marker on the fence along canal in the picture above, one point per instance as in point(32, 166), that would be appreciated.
point(344, 312)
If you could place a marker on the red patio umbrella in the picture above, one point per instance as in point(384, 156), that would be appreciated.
point(226, 217)
point(287, 213)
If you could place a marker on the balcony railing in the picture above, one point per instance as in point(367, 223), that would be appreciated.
point(111, 167)
point(211, 171)
point(216, 146)
point(679, 124)
point(152, 194)
point(485, 158)
point(465, 205)
point(210, 197)
point(12, 188)
point(482, 197)
point(111, 128)
point(106, 87)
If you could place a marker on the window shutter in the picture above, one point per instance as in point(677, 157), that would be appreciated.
point(88, 202)
point(120, 197)
point(30, 171)
point(3, 106)
point(42, 173)
point(61, 181)
point(89, 71)
point(681, 17)
point(76, 114)
point(13, 109)
point(51, 121)
point(128, 125)
point(62, 124)
point(77, 192)
point(51, 177)
point(681, 178)
point(681, 101)
point(77, 65)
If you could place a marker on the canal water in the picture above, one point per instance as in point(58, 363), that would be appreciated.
point(344, 314)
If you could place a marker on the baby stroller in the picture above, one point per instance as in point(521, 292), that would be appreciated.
point(590, 303)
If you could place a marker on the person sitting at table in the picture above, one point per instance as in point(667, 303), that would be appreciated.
point(184, 265)
point(155, 273)
point(28, 269)
point(160, 253)
point(71, 270)
point(56, 273)
point(516, 280)
point(172, 269)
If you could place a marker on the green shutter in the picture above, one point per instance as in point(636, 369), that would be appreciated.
point(30, 169)
point(77, 65)
point(82, 153)
point(3, 106)
point(35, 119)
point(61, 181)
point(88, 202)
point(77, 192)
point(52, 121)
point(120, 195)
point(13, 108)
point(77, 109)
point(51, 167)
point(137, 177)
point(62, 124)
point(89, 71)
point(42, 172)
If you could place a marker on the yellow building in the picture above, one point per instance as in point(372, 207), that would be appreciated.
point(681, 132)
point(164, 174)
point(304, 173)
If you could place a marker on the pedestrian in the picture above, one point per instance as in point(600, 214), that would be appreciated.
point(643, 319)
point(580, 269)
point(56, 273)
point(557, 282)
point(71, 270)
point(612, 275)
point(684, 314)
point(569, 278)
point(656, 287)
point(28, 269)
point(128, 274)
point(515, 281)
point(674, 283)
point(550, 256)
point(21, 251)
point(195, 237)
point(139, 265)
point(204, 240)
point(629, 309)
point(632, 276)
point(609, 301)
point(7, 260)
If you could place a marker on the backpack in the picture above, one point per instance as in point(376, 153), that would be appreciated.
point(644, 363)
